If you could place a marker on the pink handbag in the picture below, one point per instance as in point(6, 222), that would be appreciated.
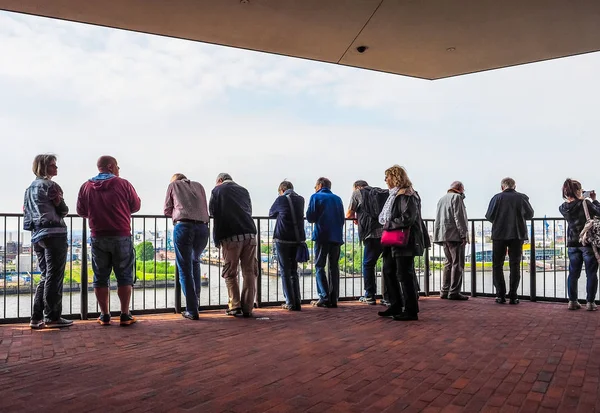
point(395, 238)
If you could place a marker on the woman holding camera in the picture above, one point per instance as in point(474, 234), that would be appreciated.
point(401, 217)
point(574, 212)
point(44, 209)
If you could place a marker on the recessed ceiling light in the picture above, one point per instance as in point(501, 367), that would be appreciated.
point(244, 1)
point(451, 49)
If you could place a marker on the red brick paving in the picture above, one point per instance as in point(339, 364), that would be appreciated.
point(473, 356)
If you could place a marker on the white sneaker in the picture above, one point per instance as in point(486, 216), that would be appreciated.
point(591, 306)
point(574, 305)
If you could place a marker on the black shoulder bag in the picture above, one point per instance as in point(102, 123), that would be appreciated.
point(302, 254)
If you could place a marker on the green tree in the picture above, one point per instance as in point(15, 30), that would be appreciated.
point(144, 251)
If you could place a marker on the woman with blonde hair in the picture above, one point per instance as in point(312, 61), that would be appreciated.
point(44, 209)
point(403, 239)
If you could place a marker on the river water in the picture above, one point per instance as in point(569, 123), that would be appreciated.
point(162, 297)
point(549, 284)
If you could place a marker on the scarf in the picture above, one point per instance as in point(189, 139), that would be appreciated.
point(386, 212)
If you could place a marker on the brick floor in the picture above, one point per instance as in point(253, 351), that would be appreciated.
point(460, 356)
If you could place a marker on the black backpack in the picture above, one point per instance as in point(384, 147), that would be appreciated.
point(373, 200)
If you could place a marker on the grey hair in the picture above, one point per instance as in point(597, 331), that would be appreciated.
point(508, 183)
point(457, 185)
point(223, 176)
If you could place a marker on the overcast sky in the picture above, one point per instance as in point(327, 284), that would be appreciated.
point(163, 105)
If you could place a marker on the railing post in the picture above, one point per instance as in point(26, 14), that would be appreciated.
point(427, 271)
point(177, 291)
point(83, 305)
point(258, 299)
point(473, 261)
point(532, 272)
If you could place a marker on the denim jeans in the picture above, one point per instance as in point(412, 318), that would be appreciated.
point(113, 254)
point(371, 253)
point(189, 240)
point(515, 251)
point(327, 253)
point(578, 256)
point(288, 269)
point(52, 258)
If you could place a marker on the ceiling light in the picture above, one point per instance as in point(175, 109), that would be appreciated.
point(451, 49)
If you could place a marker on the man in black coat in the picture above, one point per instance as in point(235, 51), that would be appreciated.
point(235, 232)
point(508, 212)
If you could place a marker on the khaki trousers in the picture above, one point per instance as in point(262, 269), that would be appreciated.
point(236, 254)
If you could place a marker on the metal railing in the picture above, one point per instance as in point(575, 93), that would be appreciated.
point(544, 267)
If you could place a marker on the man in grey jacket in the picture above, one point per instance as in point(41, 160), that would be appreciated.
point(451, 231)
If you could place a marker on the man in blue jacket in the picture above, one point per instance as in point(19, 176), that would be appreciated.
point(326, 211)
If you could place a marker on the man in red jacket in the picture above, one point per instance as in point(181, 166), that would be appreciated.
point(108, 202)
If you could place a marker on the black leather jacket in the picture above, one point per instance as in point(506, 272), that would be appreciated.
point(406, 213)
point(575, 216)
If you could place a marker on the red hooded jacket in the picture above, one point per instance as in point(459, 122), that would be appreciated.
point(108, 204)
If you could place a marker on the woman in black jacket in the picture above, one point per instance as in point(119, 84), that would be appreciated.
point(574, 213)
point(402, 210)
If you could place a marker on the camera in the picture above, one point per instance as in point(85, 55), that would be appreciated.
point(586, 194)
point(361, 49)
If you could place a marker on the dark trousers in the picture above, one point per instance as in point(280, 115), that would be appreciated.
point(288, 269)
point(515, 251)
point(52, 258)
point(371, 253)
point(327, 253)
point(578, 256)
point(400, 282)
point(189, 240)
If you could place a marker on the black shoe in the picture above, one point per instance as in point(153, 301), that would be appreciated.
point(190, 316)
point(332, 305)
point(104, 319)
point(36, 324)
point(247, 315)
point(459, 297)
point(405, 317)
point(297, 308)
point(514, 301)
point(58, 323)
point(384, 302)
point(319, 303)
point(127, 320)
point(501, 300)
point(233, 311)
point(444, 296)
point(387, 313)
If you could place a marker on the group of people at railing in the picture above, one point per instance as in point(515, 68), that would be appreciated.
point(389, 221)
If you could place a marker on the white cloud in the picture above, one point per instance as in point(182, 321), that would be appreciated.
point(163, 105)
